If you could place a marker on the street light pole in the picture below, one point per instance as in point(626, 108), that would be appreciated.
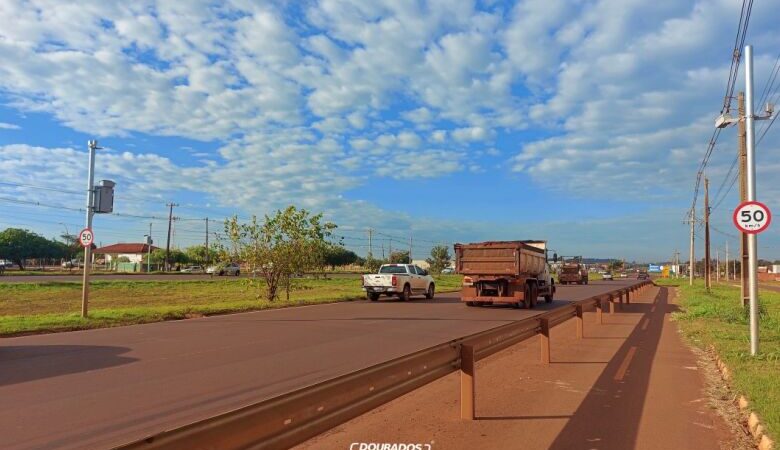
point(92, 146)
point(751, 196)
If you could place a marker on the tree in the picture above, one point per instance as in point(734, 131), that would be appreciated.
point(17, 245)
point(440, 258)
point(288, 243)
point(400, 257)
point(197, 254)
point(336, 255)
point(372, 264)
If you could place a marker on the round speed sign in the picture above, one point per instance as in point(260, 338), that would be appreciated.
point(752, 217)
point(86, 238)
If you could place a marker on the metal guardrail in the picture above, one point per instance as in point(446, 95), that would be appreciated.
point(292, 418)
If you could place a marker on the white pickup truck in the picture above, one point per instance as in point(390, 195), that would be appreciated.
point(403, 280)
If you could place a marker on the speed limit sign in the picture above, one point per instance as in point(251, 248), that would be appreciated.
point(86, 238)
point(752, 217)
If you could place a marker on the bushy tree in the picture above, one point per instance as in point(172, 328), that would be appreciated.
point(400, 257)
point(440, 258)
point(289, 242)
point(337, 255)
point(197, 254)
point(17, 244)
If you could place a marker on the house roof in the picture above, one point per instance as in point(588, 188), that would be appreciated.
point(124, 248)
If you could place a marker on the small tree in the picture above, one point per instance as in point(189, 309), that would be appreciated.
point(289, 242)
point(400, 257)
point(440, 258)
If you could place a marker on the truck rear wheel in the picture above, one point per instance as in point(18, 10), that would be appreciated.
point(406, 295)
point(534, 294)
point(373, 296)
point(471, 304)
point(527, 293)
point(431, 292)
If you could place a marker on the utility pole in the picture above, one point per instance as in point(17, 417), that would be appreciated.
point(92, 146)
point(692, 260)
point(207, 241)
point(742, 156)
point(390, 247)
point(410, 248)
point(751, 196)
point(727, 261)
point(717, 265)
point(370, 242)
point(168, 242)
point(676, 263)
point(707, 280)
point(149, 250)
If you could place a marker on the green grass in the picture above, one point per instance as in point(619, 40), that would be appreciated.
point(48, 307)
point(718, 319)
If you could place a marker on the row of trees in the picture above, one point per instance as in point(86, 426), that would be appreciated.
point(18, 245)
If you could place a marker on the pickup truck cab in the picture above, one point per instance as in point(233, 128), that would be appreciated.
point(402, 280)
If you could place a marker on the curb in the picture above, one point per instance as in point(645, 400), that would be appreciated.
point(753, 422)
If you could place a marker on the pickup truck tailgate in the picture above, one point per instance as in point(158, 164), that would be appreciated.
point(377, 280)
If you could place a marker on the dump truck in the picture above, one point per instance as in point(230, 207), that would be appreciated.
point(573, 271)
point(510, 272)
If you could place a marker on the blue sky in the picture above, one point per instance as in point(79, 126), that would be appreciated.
point(579, 122)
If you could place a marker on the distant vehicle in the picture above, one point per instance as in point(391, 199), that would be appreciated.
point(606, 276)
point(224, 269)
point(6, 263)
point(513, 272)
point(72, 264)
point(623, 275)
point(447, 271)
point(572, 271)
point(403, 280)
point(642, 275)
point(192, 269)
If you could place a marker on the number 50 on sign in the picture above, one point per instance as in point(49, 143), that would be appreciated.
point(752, 217)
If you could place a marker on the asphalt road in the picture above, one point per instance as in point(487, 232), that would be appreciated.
point(100, 388)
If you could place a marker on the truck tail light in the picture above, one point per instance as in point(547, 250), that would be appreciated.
point(468, 281)
point(395, 280)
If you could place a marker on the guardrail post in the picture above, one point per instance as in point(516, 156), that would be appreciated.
point(599, 311)
point(628, 296)
point(580, 322)
point(467, 382)
point(611, 304)
point(545, 340)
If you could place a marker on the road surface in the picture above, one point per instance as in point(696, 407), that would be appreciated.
point(100, 388)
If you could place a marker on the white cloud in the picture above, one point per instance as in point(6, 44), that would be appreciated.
point(9, 126)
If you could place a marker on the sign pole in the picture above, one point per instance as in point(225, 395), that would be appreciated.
point(751, 196)
point(92, 145)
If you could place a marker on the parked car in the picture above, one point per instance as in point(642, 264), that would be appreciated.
point(72, 264)
point(403, 280)
point(447, 271)
point(225, 269)
point(606, 276)
point(192, 269)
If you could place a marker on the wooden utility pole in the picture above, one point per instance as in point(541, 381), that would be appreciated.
point(727, 261)
point(707, 281)
point(742, 156)
point(717, 265)
point(370, 243)
point(207, 241)
point(692, 257)
point(168, 243)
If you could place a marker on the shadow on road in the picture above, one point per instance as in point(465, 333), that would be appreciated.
point(34, 362)
point(609, 416)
